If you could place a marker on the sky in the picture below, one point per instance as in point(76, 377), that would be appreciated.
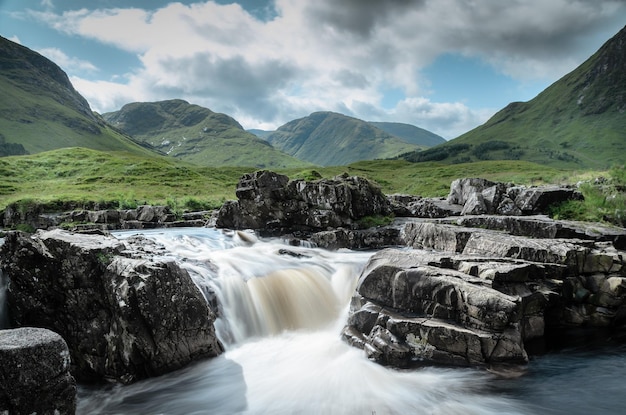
point(443, 65)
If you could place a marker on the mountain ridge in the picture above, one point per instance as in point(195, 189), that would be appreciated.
point(577, 122)
point(41, 110)
point(197, 135)
point(328, 138)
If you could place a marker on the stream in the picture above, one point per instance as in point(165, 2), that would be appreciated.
point(281, 312)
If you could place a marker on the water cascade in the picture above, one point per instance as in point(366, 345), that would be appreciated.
point(281, 309)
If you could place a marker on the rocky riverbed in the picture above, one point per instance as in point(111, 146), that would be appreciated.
point(466, 280)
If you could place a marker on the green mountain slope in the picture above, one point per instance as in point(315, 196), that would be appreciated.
point(410, 133)
point(40, 110)
point(577, 122)
point(331, 139)
point(263, 134)
point(197, 135)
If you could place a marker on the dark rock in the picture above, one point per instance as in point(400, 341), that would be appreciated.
point(274, 204)
point(34, 373)
point(471, 296)
point(536, 200)
point(374, 238)
point(124, 315)
point(429, 235)
point(480, 196)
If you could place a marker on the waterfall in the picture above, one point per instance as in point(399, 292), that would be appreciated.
point(280, 312)
point(281, 309)
point(264, 288)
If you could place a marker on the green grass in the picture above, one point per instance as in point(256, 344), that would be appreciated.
point(604, 201)
point(198, 135)
point(40, 123)
point(83, 177)
point(78, 177)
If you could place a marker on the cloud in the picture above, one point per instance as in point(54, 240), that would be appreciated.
point(70, 64)
point(329, 55)
point(448, 119)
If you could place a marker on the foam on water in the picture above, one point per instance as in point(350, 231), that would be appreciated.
point(281, 312)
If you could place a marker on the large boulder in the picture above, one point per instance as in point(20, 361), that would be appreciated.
point(272, 203)
point(124, 314)
point(467, 296)
point(34, 373)
point(480, 196)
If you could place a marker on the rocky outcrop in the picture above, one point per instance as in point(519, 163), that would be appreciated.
point(474, 296)
point(142, 217)
point(272, 203)
point(34, 373)
point(480, 196)
point(124, 314)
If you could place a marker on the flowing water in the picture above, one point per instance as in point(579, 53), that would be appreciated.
point(281, 312)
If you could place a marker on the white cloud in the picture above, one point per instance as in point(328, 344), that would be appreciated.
point(15, 39)
point(66, 62)
point(329, 55)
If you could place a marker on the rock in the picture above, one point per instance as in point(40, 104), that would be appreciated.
point(536, 200)
point(420, 207)
point(406, 313)
point(34, 373)
point(429, 235)
point(481, 196)
point(374, 238)
point(462, 189)
point(467, 296)
point(124, 315)
point(271, 202)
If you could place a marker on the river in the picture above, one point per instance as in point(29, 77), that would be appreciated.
point(282, 310)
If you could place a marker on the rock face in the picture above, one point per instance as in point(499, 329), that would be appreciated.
point(474, 296)
point(34, 373)
point(480, 196)
point(142, 217)
point(124, 314)
point(486, 274)
point(272, 203)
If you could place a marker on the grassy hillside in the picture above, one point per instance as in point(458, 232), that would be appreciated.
point(577, 122)
point(83, 177)
point(331, 139)
point(41, 111)
point(197, 135)
point(80, 175)
point(410, 133)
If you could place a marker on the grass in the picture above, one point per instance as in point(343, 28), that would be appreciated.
point(605, 200)
point(79, 177)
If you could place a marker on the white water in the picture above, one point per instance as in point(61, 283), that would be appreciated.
point(280, 320)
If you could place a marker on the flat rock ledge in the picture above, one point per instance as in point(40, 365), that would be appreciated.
point(474, 296)
point(142, 217)
point(124, 313)
point(34, 373)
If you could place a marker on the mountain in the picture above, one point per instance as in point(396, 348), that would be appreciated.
point(40, 110)
point(197, 135)
point(331, 139)
point(262, 134)
point(577, 122)
point(410, 133)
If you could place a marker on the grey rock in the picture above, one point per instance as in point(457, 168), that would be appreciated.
point(462, 189)
point(374, 238)
point(271, 202)
point(34, 373)
point(536, 200)
point(124, 315)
